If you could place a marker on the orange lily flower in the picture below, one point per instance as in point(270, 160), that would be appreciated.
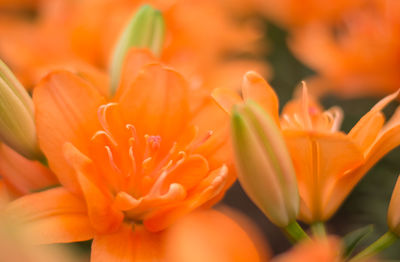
point(328, 162)
point(130, 166)
point(356, 57)
point(72, 31)
point(293, 14)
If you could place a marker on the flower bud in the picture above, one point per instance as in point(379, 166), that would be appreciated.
point(265, 168)
point(393, 217)
point(146, 29)
point(17, 127)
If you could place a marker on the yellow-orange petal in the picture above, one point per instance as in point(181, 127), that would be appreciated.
point(66, 110)
point(157, 103)
point(23, 176)
point(329, 157)
point(51, 216)
point(129, 244)
point(212, 236)
point(254, 87)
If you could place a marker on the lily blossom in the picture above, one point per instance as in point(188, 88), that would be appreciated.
point(328, 163)
point(358, 55)
point(130, 166)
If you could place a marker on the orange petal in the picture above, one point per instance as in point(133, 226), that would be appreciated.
point(213, 134)
point(320, 160)
point(226, 98)
point(129, 244)
point(256, 88)
point(3, 195)
point(134, 61)
point(213, 237)
point(385, 142)
point(209, 188)
point(52, 216)
point(157, 103)
point(367, 128)
point(66, 111)
point(189, 173)
point(103, 216)
point(393, 216)
point(22, 175)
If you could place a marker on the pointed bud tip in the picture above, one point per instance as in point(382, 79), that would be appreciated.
point(252, 77)
point(17, 127)
point(146, 29)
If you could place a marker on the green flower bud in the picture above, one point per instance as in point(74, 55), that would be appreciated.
point(17, 127)
point(146, 29)
point(265, 169)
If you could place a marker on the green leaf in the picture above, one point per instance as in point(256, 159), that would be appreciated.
point(352, 239)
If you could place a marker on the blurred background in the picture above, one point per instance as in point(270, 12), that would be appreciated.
point(347, 51)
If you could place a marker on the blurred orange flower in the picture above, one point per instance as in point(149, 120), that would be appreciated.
point(321, 249)
point(328, 163)
point(357, 56)
point(293, 14)
point(17, 4)
point(214, 236)
point(72, 31)
point(131, 165)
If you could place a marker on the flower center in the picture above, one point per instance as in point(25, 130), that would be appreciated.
point(142, 171)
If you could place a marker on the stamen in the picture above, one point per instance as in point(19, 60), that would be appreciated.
point(146, 164)
point(156, 189)
point(103, 133)
point(133, 160)
point(154, 142)
point(102, 115)
point(111, 159)
point(133, 130)
point(202, 140)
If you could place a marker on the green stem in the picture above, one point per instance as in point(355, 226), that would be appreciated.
point(294, 232)
point(318, 229)
point(379, 245)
